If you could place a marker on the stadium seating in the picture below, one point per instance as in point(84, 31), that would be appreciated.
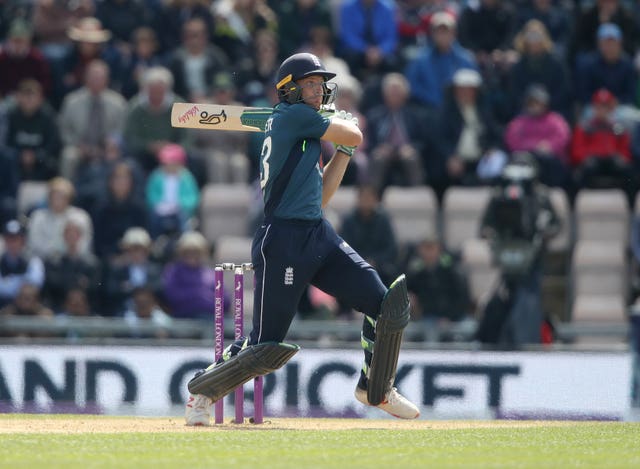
point(462, 209)
point(30, 195)
point(341, 204)
point(224, 210)
point(599, 278)
point(602, 215)
point(477, 262)
point(413, 212)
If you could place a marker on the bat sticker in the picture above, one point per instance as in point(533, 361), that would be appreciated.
point(213, 119)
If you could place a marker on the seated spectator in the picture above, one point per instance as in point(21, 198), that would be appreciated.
point(543, 133)
point(20, 60)
point(72, 269)
point(225, 153)
point(413, 20)
point(486, 28)
point(172, 193)
point(188, 283)
point(17, 266)
point(8, 188)
point(297, 22)
point(430, 73)
point(120, 209)
point(145, 53)
point(26, 303)
point(170, 16)
point(147, 126)
point(369, 231)
point(589, 21)
point(144, 307)
point(133, 269)
point(555, 19)
point(121, 17)
point(89, 118)
point(395, 136)
point(46, 228)
point(366, 41)
point(32, 134)
point(90, 42)
point(609, 67)
point(467, 132)
point(600, 149)
point(195, 62)
point(238, 22)
point(438, 287)
point(257, 71)
point(321, 44)
point(538, 64)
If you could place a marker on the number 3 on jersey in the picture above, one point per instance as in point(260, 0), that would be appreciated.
point(264, 158)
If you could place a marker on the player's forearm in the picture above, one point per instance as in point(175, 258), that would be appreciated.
point(332, 176)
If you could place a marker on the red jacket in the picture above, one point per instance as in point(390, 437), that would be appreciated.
point(601, 140)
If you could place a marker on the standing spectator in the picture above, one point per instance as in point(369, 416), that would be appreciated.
point(71, 269)
point(132, 270)
point(147, 126)
point(538, 64)
point(119, 209)
point(196, 61)
point(367, 42)
point(20, 60)
point(90, 42)
point(188, 283)
point(297, 22)
point(145, 53)
point(468, 133)
point(17, 267)
point(601, 148)
point(555, 19)
point(172, 192)
point(430, 73)
point(90, 117)
point(543, 133)
point(395, 136)
point(368, 230)
point(225, 153)
point(589, 21)
point(33, 134)
point(46, 229)
point(439, 289)
point(610, 67)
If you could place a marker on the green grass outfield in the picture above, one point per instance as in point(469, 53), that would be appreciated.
point(70, 442)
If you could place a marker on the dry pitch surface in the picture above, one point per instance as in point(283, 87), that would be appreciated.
point(93, 424)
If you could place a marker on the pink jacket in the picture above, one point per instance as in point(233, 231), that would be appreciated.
point(524, 133)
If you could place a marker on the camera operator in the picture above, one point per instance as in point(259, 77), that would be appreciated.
point(518, 222)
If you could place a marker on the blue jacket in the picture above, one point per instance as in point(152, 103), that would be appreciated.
point(431, 72)
point(619, 78)
point(352, 24)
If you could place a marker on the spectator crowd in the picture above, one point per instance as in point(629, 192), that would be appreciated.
point(446, 93)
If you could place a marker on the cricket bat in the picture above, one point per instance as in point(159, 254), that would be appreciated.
point(219, 117)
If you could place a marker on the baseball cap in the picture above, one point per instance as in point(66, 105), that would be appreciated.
point(172, 153)
point(14, 228)
point(467, 77)
point(603, 96)
point(19, 28)
point(609, 31)
point(537, 92)
point(135, 237)
point(442, 18)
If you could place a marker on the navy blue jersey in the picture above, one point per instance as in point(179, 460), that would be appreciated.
point(290, 168)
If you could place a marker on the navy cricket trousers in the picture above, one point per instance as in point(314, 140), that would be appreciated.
point(288, 255)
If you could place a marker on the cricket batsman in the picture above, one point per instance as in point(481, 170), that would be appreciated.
point(296, 246)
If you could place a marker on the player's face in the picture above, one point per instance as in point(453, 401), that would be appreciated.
point(312, 90)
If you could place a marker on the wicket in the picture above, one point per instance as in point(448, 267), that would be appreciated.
point(238, 327)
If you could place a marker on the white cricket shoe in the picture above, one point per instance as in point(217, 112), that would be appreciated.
point(395, 404)
point(198, 410)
